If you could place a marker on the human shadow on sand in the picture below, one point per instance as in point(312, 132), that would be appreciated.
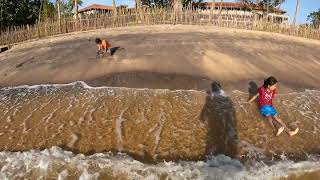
point(219, 113)
point(253, 89)
point(114, 50)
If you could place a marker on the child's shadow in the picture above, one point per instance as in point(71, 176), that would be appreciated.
point(253, 89)
point(114, 50)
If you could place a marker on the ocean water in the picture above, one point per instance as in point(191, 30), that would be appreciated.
point(74, 131)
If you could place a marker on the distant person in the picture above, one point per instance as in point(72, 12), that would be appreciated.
point(266, 93)
point(103, 47)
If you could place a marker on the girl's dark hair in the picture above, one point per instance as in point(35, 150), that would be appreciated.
point(98, 40)
point(270, 81)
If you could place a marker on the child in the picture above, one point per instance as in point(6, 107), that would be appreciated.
point(103, 47)
point(266, 94)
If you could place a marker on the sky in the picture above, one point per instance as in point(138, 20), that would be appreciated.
point(306, 6)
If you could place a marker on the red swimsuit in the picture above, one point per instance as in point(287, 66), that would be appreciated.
point(265, 97)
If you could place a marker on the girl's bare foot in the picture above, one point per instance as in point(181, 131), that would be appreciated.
point(292, 133)
point(280, 130)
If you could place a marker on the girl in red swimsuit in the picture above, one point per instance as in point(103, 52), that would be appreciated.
point(266, 94)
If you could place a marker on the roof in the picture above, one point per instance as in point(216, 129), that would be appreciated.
point(238, 5)
point(97, 6)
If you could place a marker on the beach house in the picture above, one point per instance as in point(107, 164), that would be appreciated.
point(242, 9)
point(96, 9)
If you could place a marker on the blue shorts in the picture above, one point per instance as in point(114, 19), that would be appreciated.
point(268, 110)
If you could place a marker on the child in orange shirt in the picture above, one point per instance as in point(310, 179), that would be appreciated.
point(103, 47)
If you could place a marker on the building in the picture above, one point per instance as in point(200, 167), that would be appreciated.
point(243, 9)
point(96, 9)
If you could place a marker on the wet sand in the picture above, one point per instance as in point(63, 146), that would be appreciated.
point(304, 176)
point(232, 57)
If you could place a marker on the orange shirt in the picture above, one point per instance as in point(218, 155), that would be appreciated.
point(104, 45)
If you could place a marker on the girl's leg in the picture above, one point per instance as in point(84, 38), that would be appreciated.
point(291, 133)
point(277, 118)
point(270, 120)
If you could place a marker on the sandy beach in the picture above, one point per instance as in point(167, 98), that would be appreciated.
point(166, 57)
point(81, 130)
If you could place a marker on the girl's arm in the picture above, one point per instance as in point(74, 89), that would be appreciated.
point(253, 98)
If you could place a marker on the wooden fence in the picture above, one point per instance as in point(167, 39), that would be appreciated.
point(150, 17)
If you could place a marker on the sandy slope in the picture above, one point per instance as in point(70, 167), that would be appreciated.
point(233, 57)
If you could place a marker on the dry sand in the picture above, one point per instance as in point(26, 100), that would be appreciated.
point(175, 57)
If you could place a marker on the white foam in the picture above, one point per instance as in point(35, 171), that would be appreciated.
point(86, 176)
point(63, 175)
point(110, 90)
point(19, 165)
point(86, 86)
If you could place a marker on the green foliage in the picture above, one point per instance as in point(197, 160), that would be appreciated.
point(48, 10)
point(22, 12)
point(18, 12)
point(69, 6)
point(314, 18)
point(157, 3)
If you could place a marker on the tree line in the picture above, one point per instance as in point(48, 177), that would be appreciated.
point(22, 12)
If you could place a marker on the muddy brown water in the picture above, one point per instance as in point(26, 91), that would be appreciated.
point(154, 124)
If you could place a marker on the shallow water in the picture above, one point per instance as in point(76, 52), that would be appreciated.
point(181, 127)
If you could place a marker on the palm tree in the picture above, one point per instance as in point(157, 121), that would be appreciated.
point(137, 5)
point(220, 7)
point(76, 9)
point(297, 12)
point(114, 7)
point(213, 4)
point(177, 5)
point(40, 10)
point(58, 9)
point(138, 9)
point(70, 5)
point(1, 17)
point(177, 8)
point(268, 6)
point(59, 14)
